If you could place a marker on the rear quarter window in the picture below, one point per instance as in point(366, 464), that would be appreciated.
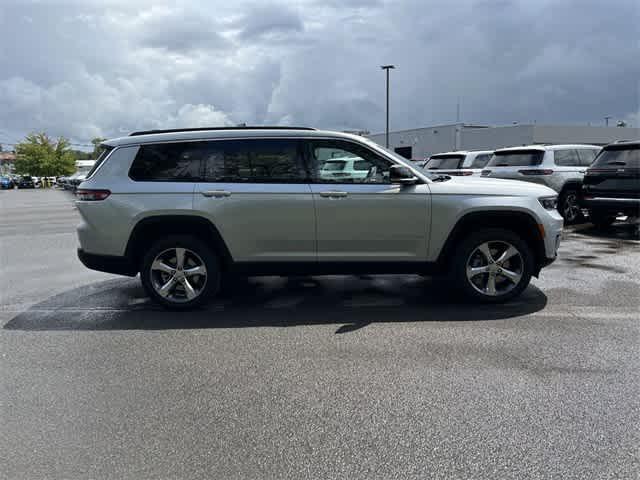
point(167, 162)
point(566, 158)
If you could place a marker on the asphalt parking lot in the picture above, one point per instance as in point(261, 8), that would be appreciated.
point(337, 377)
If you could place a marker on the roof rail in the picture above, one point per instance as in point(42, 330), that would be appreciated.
point(203, 129)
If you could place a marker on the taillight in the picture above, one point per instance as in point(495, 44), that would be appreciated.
point(535, 172)
point(466, 173)
point(92, 195)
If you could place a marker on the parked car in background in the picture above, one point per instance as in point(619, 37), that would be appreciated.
point(345, 168)
point(6, 183)
point(611, 185)
point(461, 163)
point(189, 209)
point(560, 167)
point(26, 182)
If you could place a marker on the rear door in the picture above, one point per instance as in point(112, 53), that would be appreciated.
point(255, 192)
point(366, 219)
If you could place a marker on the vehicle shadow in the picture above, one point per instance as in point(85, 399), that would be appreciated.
point(351, 302)
point(619, 232)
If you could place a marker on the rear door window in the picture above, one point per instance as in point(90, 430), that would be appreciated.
point(517, 158)
point(587, 156)
point(481, 160)
point(566, 158)
point(254, 161)
point(445, 162)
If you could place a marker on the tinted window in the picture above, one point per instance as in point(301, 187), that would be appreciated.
point(255, 161)
point(619, 158)
point(166, 162)
point(481, 160)
point(449, 162)
point(587, 156)
point(516, 158)
point(566, 158)
point(368, 167)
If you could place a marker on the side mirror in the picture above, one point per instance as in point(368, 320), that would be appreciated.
point(400, 174)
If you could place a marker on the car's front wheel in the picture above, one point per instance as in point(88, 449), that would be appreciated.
point(492, 265)
point(180, 272)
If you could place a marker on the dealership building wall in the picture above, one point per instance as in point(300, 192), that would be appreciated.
point(422, 142)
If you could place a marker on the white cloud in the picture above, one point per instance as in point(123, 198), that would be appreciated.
point(106, 67)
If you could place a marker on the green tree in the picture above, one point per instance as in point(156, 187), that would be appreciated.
point(41, 156)
point(97, 149)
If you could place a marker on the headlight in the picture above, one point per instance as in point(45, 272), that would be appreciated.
point(549, 203)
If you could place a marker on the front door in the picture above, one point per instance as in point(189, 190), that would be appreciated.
point(255, 192)
point(360, 215)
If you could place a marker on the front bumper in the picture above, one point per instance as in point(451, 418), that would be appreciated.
point(108, 263)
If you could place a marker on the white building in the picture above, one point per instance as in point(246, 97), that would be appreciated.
point(422, 142)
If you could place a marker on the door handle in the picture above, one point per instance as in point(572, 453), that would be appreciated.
point(216, 193)
point(333, 194)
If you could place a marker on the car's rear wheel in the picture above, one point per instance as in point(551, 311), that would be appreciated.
point(180, 272)
point(492, 265)
point(569, 206)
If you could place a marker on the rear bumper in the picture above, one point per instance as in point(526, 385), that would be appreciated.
point(108, 263)
point(625, 206)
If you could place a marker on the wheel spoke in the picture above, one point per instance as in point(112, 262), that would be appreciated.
point(165, 289)
point(179, 257)
point(474, 271)
point(512, 276)
point(508, 253)
point(491, 285)
point(486, 251)
point(162, 267)
point(199, 270)
point(188, 289)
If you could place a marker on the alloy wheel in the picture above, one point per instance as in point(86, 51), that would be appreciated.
point(495, 268)
point(571, 209)
point(178, 275)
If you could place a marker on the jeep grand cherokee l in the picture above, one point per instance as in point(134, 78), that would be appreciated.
point(560, 167)
point(188, 208)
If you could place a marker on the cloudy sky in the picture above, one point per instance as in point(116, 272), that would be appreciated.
point(85, 68)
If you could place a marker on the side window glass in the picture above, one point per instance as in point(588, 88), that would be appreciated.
point(566, 158)
point(254, 161)
point(167, 162)
point(587, 156)
point(481, 160)
point(335, 161)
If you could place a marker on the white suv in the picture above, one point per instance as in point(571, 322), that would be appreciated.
point(560, 167)
point(188, 209)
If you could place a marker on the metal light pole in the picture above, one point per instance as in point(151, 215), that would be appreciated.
point(387, 68)
point(606, 120)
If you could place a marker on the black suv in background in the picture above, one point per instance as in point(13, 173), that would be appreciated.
point(611, 186)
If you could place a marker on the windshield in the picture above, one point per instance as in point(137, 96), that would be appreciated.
point(449, 162)
point(618, 158)
point(516, 158)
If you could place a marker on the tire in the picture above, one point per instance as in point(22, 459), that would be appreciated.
point(180, 285)
point(601, 220)
point(469, 252)
point(569, 206)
